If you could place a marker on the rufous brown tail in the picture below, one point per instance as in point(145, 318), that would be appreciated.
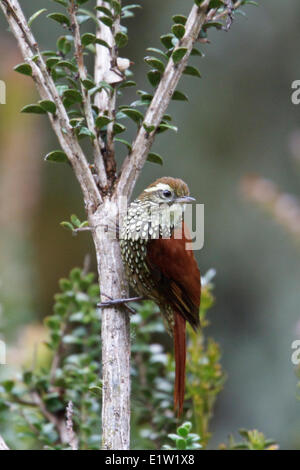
point(180, 361)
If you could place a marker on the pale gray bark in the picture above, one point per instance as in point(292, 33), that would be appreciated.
point(115, 334)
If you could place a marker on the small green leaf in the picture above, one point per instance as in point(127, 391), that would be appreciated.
point(155, 158)
point(145, 95)
point(154, 77)
point(102, 121)
point(48, 106)
point(181, 444)
point(85, 132)
point(83, 15)
point(88, 84)
point(75, 122)
point(104, 10)
point(61, 89)
point(35, 16)
point(189, 70)
point(178, 30)
point(75, 221)
point(155, 63)
point(132, 6)
point(8, 385)
point(188, 426)
point(60, 18)
point(179, 19)
point(49, 53)
point(67, 225)
point(133, 114)
point(24, 68)
point(166, 40)
point(57, 156)
point(102, 43)
point(164, 127)
point(116, 6)
point(148, 129)
point(64, 45)
point(33, 108)
point(72, 95)
point(101, 86)
point(179, 96)
point(157, 51)
point(128, 83)
point(121, 39)
point(118, 128)
point(196, 52)
point(178, 54)
point(212, 24)
point(106, 20)
point(88, 38)
point(51, 62)
point(122, 141)
point(182, 431)
point(96, 390)
point(67, 64)
point(62, 2)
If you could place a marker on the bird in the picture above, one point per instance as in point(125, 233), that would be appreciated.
point(153, 238)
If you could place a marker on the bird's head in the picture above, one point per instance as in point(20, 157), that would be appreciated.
point(167, 190)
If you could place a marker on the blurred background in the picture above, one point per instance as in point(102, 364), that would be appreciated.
point(239, 122)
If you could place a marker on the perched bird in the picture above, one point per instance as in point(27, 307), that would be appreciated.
point(153, 239)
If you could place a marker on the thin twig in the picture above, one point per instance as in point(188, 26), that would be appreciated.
point(224, 13)
point(82, 229)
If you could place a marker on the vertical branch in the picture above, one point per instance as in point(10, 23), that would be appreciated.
point(87, 105)
point(115, 322)
point(106, 60)
point(115, 333)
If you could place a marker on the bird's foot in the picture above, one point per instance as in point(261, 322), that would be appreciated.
point(113, 302)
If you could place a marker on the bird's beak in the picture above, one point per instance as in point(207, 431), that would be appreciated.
point(185, 199)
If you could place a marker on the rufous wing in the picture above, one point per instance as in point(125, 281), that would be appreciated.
point(177, 277)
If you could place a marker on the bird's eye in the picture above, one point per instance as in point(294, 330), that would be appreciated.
point(167, 193)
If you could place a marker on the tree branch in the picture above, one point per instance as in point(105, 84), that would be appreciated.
point(47, 90)
point(106, 60)
point(134, 162)
point(87, 105)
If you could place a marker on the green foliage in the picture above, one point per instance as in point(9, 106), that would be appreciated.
point(62, 65)
point(252, 440)
point(154, 158)
point(57, 156)
point(205, 375)
point(24, 68)
point(74, 224)
point(184, 439)
point(37, 399)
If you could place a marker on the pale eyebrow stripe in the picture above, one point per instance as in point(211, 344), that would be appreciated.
point(157, 187)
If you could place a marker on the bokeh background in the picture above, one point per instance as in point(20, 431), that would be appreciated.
point(240, 121)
